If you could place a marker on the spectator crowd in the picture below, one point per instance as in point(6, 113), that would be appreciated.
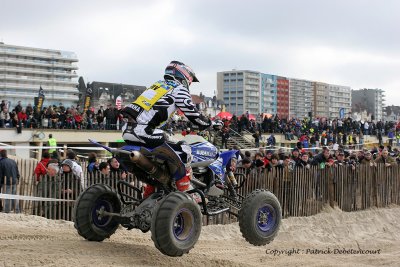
point(267, 160)
point(311, 132)
point(60, 117)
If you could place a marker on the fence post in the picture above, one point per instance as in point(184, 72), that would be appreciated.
point(331, 188)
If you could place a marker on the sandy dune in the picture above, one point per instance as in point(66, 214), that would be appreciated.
point(35, 241)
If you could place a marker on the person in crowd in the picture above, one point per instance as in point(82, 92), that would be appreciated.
point(275, 162)
point(109, 115)
point(256, 137)
point(93, 164)
point(259, 161)
point(288, 163)
point(41, 168)
point(304, 161)
point(281, 154)
point(295, 155)
point(18, 107)
point(245, 163)
point(271, 141)
point(52, 143)
point(225, 137)
point(2, 104)
point(78, 118)
point(9, 179)
point(104, 168)
point(100, 119)
point(268, 155)
point(340, 158)
point(386, 159)
point(72, 183)
point(5, 118)
point(116, 169)
point(53, 168)
point(323, 159)
point(46, 187)
point(71, 155)
point(72, 172)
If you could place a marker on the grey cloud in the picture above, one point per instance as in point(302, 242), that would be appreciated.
point(267, 36)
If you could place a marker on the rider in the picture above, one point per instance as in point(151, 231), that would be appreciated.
point(153, 108)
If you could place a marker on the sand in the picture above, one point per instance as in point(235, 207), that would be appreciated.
point(303, 241)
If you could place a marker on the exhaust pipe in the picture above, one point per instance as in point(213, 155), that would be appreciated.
point(149, 167)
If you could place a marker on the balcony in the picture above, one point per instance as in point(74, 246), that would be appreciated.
point(38, 63)
point(252, 76)
point(21, 78)
point(49, 95)
point(252, 101)
point(257, 83)
point(62, 55)
point(36, 87)
point(252, 94)
point(39, 71)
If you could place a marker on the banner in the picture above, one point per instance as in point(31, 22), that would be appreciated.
point(341, 113)
point(40, 100)
point(88, 98)
point(118, 102)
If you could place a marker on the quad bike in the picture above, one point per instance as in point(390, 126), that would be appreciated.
point(173, 217)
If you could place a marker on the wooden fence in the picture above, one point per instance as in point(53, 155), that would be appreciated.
point(302, 192)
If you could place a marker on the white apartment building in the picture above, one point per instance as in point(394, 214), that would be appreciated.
point(244, 90)
point(339, 97)
point(240, 91)
point(24, 69)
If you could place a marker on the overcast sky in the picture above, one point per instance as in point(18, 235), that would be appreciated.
point(353, 43)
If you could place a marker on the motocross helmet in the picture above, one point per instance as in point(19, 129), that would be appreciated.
point(180, 72)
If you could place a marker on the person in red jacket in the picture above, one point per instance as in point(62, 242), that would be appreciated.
point(22, 117)
point(78, 120)
point(41, 168)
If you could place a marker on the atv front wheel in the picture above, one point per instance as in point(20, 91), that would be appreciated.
point(260, 217)
point(88, 218)
point(176, 224)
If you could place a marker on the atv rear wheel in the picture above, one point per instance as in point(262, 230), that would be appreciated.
point(176, 224)
point(260, 217)
point(88, 220)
